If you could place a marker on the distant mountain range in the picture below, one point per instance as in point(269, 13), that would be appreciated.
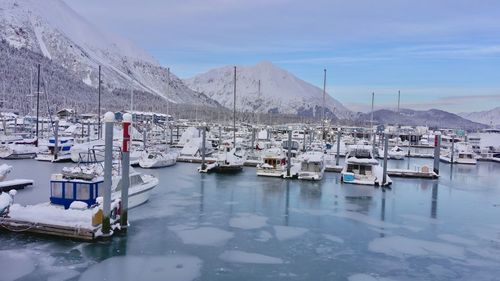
point(280, 91)
point(433, 118)
point(487, 117)
point(70, 49)
point(54, 30)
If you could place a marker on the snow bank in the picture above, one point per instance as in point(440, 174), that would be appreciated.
point(244, 257)
point(50, 214)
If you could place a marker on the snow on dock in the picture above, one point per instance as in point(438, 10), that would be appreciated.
point(15, 184)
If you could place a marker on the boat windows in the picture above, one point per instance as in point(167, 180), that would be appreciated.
point(68, 191)
point(56, 189)
point(136, 180)
point(82, 191)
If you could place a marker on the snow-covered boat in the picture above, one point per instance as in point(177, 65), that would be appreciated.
point(91, 175)
point(273, 163)
point(157, 159)
point(18, 151)
point(88, 152)
point(231, 160)
point(64, 145)
point(4, 170)
point(362, 168)
point(396, 153)
point(312, 165)
point(463, 154)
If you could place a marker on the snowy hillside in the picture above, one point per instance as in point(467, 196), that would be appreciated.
point(433, 118)
point(281, 91)
point(488, 117)
point(51, 28)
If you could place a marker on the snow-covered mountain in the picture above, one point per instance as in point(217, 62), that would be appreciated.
point(281, 91)
point(434, 118)
point(51, 28)
point(488, 117)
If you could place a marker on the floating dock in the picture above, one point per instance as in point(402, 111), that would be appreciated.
point(15, 184)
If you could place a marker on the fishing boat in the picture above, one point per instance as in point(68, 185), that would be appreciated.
point(230, 160)
point(57, 153)
point(273, 163)
point(84, 183)
point(312, 166)
point(157, 159)
point(362, 168)
point(462, 154)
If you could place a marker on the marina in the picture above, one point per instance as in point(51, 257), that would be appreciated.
point(231, 226)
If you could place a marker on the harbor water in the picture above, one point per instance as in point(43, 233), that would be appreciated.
point(243, 227)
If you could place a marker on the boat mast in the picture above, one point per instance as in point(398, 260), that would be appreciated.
point(37, 103)
point(99, 105)
point(323, 111)
point(168, 91)
point(371, 120)
point(234, 109)
point(397, 124)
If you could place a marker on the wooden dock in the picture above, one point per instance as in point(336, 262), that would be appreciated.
point(85, 234)
point(15, 184)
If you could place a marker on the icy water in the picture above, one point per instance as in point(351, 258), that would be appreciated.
point(244, 227)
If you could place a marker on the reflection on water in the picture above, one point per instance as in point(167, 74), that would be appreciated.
point(244, 227)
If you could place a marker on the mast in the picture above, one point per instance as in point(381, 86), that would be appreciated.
point(168, 91)
point(99, 105)
point(234, 109)
point(258, 115)
point(37, 103)
point(324, 96)
point(371, 120)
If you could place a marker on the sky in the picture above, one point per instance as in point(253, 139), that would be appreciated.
point(439, 54)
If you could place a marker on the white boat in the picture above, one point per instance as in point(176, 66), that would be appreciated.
point(92, 175)
point(231, 160)
point(18, 151)
point(88, 152)
point(463, 154)
point(157, 159)
point(396, 153)
point(312, 165)
point(64, 145)
point(273, 163)
point(362, 168)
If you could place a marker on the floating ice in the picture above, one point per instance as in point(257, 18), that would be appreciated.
point(457, 239)
point(333, 238)
point(244, 257)
point(209, 236)
point(14, 265)
point(264, 236)
point(248, 221)
point(399, 246)
point(288, 232)
point(366, 277)
point(178, 268)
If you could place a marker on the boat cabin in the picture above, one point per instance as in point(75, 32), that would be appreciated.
point(64, 192)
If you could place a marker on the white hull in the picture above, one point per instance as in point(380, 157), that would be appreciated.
point(157, 163)
point(270, 173)
point(50, 157)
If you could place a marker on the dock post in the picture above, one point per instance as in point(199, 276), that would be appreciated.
point(177, 132)
point(386, 148)
point(437, 151)
point(88, 130)
point(203, 140)
point(452, 150)
point(289, 154)
point(127, 119)
point(144, 136)
point(56, 139)
point(15, 125)
point(4, 124)
point(337, 157)
point(304, 141)
point(253, 139)
point(109, 118)
point(171, 135)
point(41, 133)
